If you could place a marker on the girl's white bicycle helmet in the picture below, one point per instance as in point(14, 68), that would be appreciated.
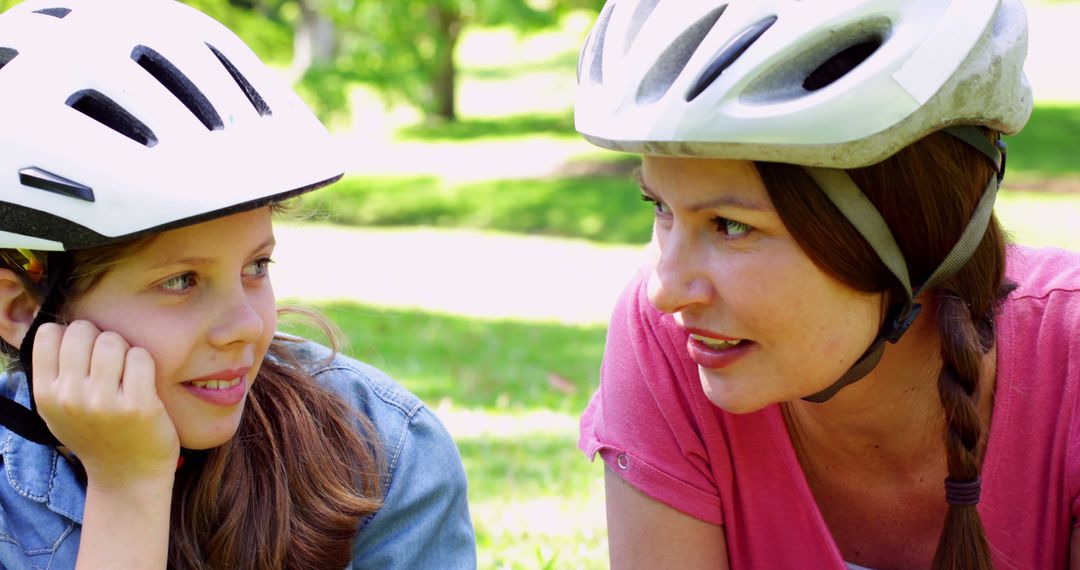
point(826, 85)
point(125, 117)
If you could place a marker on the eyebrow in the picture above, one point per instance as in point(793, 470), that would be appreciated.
point(200, 261)
point(725, 200)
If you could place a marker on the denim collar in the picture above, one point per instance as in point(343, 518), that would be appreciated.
point(37, 472)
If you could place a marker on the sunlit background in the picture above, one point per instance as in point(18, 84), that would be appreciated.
point(476, 245)
point(478, 261)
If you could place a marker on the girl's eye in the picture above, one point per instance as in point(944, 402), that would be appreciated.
point(660, 207)
point(731, 228)
point(179, 283)
point(258, 268)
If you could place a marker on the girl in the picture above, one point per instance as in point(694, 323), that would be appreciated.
point(832, 324)
point(153, 417)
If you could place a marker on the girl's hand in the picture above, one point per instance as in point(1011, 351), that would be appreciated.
point(98, 395)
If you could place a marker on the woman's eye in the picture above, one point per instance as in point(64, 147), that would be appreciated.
point(731, 228)
point(660, 207)
point(180, 283)
point(258, 268)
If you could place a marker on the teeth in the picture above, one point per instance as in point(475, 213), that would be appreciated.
point(715, 343)
point(215, 384)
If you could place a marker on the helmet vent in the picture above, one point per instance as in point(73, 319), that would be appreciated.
point(245, 86)
point(97, 106)
point(728, 55)
point(641, 13)
point(671, 63)
point(179, 85)
point(596, 67)
point(6, 55)
point(45, 180)
point(840, 64)
point(54, 12)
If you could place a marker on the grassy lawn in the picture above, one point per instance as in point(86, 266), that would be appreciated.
point(598, 208)
point(510, 393)
point(1041, 219)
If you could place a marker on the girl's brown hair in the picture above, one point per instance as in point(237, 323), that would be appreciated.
point(926, 193)
point(292, 486)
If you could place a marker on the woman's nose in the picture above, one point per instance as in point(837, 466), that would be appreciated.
point(680, 274)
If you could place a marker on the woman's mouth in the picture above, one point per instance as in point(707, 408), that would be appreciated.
point(715, 342)
point(715, 353)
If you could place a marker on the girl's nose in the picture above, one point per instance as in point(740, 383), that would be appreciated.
point(239, 321)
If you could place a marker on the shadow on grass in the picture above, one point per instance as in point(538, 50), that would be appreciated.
point(500, 365)
point(1047, 145)
point(465, 129)
point(603, 208)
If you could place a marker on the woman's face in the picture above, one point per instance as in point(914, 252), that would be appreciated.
point(199, 300)
point(766, 325)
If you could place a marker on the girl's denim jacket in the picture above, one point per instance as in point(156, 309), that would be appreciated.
point(424, 521)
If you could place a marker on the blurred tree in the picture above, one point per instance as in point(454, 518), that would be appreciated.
point(406, 47)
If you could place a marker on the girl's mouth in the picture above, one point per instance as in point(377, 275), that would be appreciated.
point(215, 384)
point(218, 392)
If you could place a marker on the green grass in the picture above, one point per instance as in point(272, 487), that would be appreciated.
point(501, 366)
point(510, 392)
point(1047, 145)
point(480, 128)
point(602, 208)
point(1040, 219)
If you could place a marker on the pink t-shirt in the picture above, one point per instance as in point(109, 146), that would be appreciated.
point(653, 425)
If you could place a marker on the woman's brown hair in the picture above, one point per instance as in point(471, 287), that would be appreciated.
point(293, 485)
point(926, 193)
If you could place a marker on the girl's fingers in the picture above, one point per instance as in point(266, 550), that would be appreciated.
point(76, 349)
point(46, 356)
point(107, 364)
point(139, 376)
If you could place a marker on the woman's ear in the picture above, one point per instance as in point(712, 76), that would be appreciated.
point(17, 308)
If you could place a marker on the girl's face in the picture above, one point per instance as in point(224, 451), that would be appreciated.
point(766, 324)
point(199, 300)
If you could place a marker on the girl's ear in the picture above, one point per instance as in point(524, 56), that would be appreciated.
point(17, 308)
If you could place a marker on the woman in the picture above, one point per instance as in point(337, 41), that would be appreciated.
point(152, 414)
point(832, 324)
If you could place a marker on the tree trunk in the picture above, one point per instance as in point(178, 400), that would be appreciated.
point(314, 40)
point(444, 77)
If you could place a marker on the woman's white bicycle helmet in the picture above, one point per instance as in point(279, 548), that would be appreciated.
point(754, 79)
point(125, 117)
point(825, 85)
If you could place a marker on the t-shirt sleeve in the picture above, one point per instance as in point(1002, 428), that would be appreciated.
point(1063, 310)
point(645, 420)
point(1048, 297)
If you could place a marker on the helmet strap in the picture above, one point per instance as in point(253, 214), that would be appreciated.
point(861, 213)
point(26, 422)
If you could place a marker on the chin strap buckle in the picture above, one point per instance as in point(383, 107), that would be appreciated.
point(900, 322)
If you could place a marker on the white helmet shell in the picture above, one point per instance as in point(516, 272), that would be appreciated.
point(743, 79)
point(127, 116)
